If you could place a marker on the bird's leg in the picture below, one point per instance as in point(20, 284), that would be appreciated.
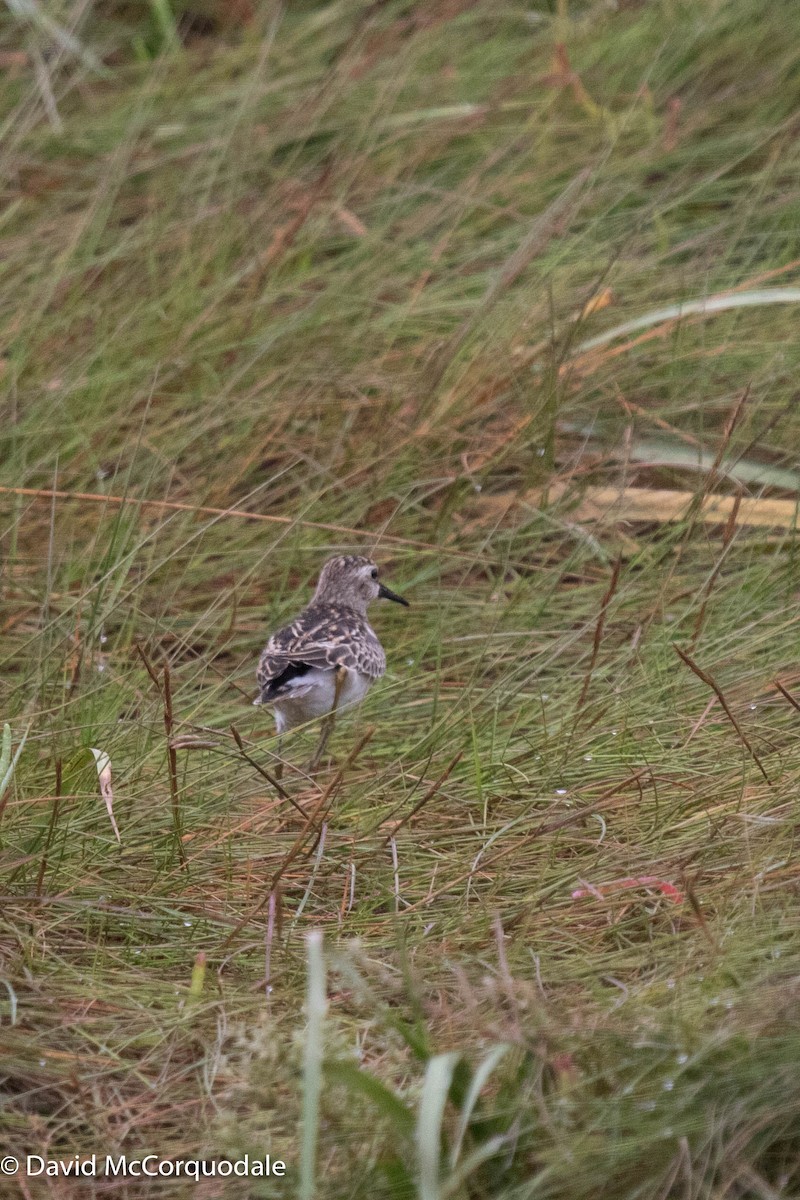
point(279, 764)
point(327, 724)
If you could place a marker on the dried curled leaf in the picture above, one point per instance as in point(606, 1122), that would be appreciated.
point(103, 763)
point(190, 741)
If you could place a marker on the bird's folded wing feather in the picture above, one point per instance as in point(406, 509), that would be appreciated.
point(322, 641)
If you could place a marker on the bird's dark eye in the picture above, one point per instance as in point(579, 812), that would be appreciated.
point(374, 572)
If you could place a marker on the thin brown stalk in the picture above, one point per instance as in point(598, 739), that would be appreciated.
point(768, 426)
point(77, 660)
point(787, 695)
point(151, 671)
point(598, 632)
point(237, 737)
point(172, 760)
point(712, 683)
point(695, 509)
point(696, 907)
point(273, 919)
point(710, 479)
point(727, 537)
point(700, 721)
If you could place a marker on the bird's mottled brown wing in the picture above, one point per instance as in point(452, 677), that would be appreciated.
point(319, 638)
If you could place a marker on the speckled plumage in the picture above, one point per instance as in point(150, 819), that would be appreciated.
point(297, 671)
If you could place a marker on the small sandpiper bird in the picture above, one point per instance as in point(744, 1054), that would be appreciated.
point(329, 655)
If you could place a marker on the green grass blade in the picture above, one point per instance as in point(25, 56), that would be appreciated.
point(477, 1083)
point(430, 1123)
point(316, 1009)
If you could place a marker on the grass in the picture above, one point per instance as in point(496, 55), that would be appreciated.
point(280, 282)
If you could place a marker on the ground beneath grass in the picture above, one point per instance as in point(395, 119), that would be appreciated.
point(505, 296)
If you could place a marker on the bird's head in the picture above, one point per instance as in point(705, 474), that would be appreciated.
point(353, 581)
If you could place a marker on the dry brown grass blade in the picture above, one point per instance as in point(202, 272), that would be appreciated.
point(712, 683)
point(654, 506)
point(212, 511)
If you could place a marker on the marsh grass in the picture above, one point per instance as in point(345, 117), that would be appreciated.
point(290, 282)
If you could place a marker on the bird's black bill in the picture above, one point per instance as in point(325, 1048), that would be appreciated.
point(386, 594)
